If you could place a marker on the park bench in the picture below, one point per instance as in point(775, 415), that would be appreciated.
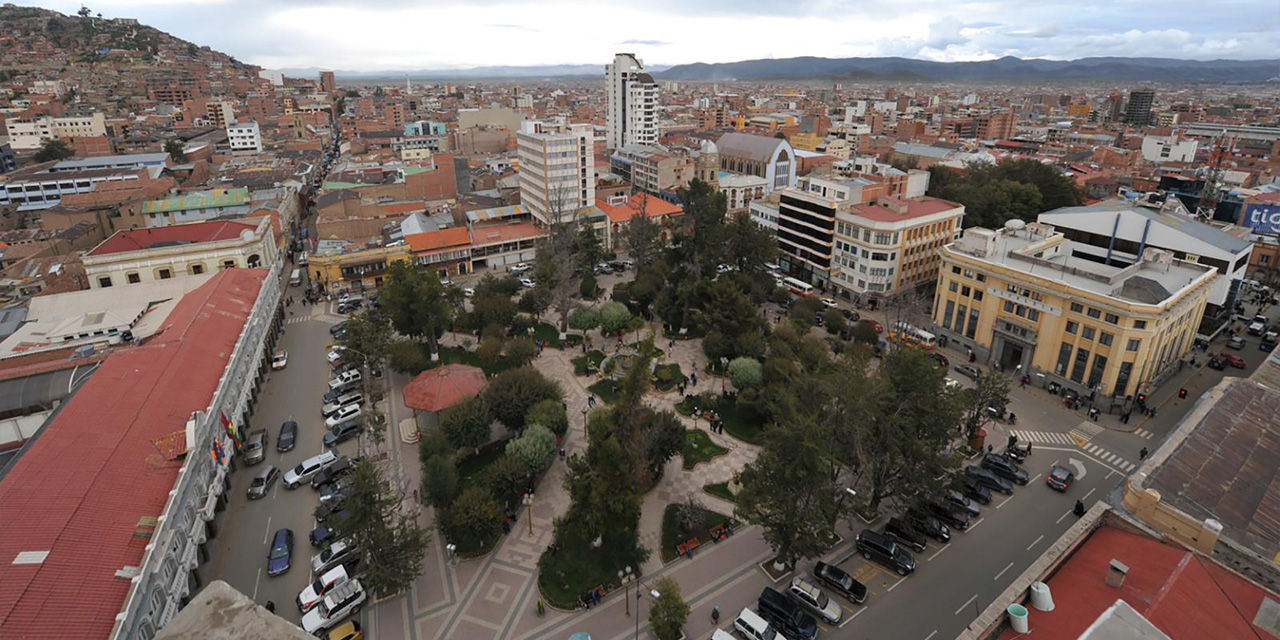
point(720, 532)
point(686, 548)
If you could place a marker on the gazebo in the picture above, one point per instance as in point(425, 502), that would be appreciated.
point(435, 390)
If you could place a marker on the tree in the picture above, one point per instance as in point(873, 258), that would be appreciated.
point(749, 246)
point(507, 477)
point(745, 373)
point(585, 318)
point(699, 246)
point(490, 349)
point(995, 193)
point(468, 424)
point(53, 150)
point(558, 266)
point(725, 310)
point(865, 333)
point(691, 514)
point(417, 304)
point(614, 317)
point(588, 287)
point(175, 150)
point(669, 611)
point(603, 491)
point(989, 390)
point(366, 339)
point(492, 308)
point(521, 351)
point(511, 393)
point(534, 449)
point(385, 529)
point(834, 321)
point(550, 414)
point(439, 481)
point(587, 248)
point(643, 238)
point(474, 518)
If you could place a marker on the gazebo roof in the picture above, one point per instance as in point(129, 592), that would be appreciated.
point(440, 388)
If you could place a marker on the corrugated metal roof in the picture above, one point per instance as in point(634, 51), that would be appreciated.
point(496, 213)
point(199, 200)
point(1191, 227)
point(746, 145)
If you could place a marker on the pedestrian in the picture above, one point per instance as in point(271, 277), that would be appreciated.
point(1023, 383)
point(1142, 455)
point(693, 379)
point(991, 448)
point(271, 606)
point(1013, 441)
point(1125, 417)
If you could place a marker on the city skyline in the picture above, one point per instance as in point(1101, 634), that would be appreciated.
point(301, 35)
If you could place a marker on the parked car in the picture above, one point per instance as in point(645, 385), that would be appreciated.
point(1218, 363)
point(754, 627)
point(468, 292)
point(1060, 478)
point(950, 516)
point(331, 473)
point(850, 315)
point(1268, 342)
point(255, 447)
point(971, 489)
point(280, 360)
point(928, 525)
point(261, 483)
point(1005, 468)
point(1233, 360)
point(957, 500)
point(288, 437)
point(333, 555)
point(308, 468)
point(320, 536)
point(839, 581)
point(1236, 342)
point(941, 360)
point(904, 534)
point(528, 283)
point(338, 329)
point(1257, 328)
point(786, 614)
point(280, 557)
point(988, 479)
point(316, 591)
point(338, 491)
point(330, 511)
point(343, 601)
point(352, 397)
point(812, 598)
point(349, 630)
point(344, 413)
point(968, 370)
point(882, 549)
point(342, 432)
point(828, 303)
point(344, 378)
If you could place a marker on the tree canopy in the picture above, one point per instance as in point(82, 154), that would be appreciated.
point(995, 193)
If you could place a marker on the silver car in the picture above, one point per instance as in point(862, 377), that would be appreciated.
point(813, 599)
point(261, 483)
point(255, 447)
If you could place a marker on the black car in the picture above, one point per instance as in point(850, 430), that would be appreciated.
point(988, 479)
point(336, 492)
point(928, 525)
point(329, 510)
point(1217, 363)
point(902, 531)
point(1004, 468)
point(1060, 478)
point(337, 329)
point(957, 500)
point(786, 614)
point(972, 490)
point(327, 475)
point(880, 548)
point(839, 581)
point(950, 516)
point(342, 432)
point(288, 436)
point(850, 315)
point(280, 557)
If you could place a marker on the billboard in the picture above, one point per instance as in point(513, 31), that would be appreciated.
point(1263, 218)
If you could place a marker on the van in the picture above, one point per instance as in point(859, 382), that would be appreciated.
point(295, 278)
point(752, 626)
point(307, 468)
point(787, 614)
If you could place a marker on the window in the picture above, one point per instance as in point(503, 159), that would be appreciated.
point(1122, 379)
point(982, 278)
point(960, 315)
point(1033, 315)
point(1077, 307)
point(1087, 334)
point(165, 274)
point(1082, 362)
point(1072, 327)
point(946, 315)
point(964, 291)
point(104, 281)
point(1008, 307)
point(197, 269)
point(1094, 313)
point(133, 278)
point(955, 270)
point(1133, 345)
point(977, 294)
point(1113, 318)
point(1064, 356)
point(973, 324)
point(1139, 324)
point(1099, 368)
point(1105, 339)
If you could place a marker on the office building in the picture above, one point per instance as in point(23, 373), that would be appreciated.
point(1161, 149)
point(1138, 110)
point(890, 245)
point(33, 133)
point(651, 169)
point(328, 83)
point(244, 136)
point(632, 103)
point(557, 170)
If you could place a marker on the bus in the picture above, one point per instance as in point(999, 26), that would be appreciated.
point(905, 333)
point(295, 278)
point(797, 287)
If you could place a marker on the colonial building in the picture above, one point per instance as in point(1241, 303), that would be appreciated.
point(770, 158)
point(135, 256)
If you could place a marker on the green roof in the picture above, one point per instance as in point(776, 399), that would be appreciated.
point(334, 185)
point(211, 199)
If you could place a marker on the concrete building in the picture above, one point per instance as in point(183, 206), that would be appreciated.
point(219, 113)
point(651, 169)
point(26, 134)
point(43, 186)
point(557, 169)
point(631, 98)
point(244, 136)
point(196, 206)
point(770, 158)
point(140, 256)
point(1022, 299)
point(274, 76)
point(328, 83)
point(1161, 149)
point(1137, 111)
point(740, 190)
point(891, 245)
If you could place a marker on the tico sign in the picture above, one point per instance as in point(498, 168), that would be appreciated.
point(1264, 218)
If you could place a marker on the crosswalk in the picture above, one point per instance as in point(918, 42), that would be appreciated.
point(1086, 430)
point(1109, 457)
point(1043, 437)
point(1143, 433)
point(1101, 453)
point(297, 319)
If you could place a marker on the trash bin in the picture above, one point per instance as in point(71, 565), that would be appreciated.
point(1041, 598)
point(1018, 618)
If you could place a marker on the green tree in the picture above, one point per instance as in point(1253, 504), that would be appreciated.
point(511, 393)
point(53, 150)
point(585, 318)
point(467, 424)
point(175, 150)
point(366, 339)
point(521, 351)
point(738, 328)
point(492, 309)
point(1056, 189)
point(588, 287)
point(588, 248)
point(550, 414)
point(745, 373)
point(507, 477)
point(669, 611)
point(834, 321)
point(474, 518)
point(534, 449)
point(865, 333)
point(989, 390)
point(643, 238)
point(490, 350)
point(603, 494)
point(614, 317)
point(439, 481)
point(995, 202)
point(699, 245)
point(749, 246)
point(417, 304)
point(384, 529)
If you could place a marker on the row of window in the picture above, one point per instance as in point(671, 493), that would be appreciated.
point(971, 330)
point(966, 291)
point(968, 273)
point(1111, 318)
point(165, 273)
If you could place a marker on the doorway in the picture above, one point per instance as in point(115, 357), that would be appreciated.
point(1010, 355)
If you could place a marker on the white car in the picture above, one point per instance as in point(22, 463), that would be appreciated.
point(829, 303)
point(280, 360)
point(469, 292)
point(329, 408)
point(813, 599)
point(724, 268)
point(344, 378)
point(335, 356)
point(340, 603)
point(343, 414)
point(307, 468)
point(316, 591)
point(527, 283)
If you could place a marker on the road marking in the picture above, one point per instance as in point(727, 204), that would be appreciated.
point(1063, 517)
point(939, 551)
point(1113, 472)
point(1035, 541)
point(255, 585)
point(895, 585)
point(1086, 496)
point(1006, 568)
point(935, 632)
point(1005, 501)
point(850, 618)
point(1080, 442)
point(1143, 433)
point(975, 525)
point(1035, 478)
point(963, 607)
point(267, 536)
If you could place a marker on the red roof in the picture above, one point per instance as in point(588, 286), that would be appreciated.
point(440, 388)
point(1185, 595)
point(137, 239)
point(915, 209)
point(440, 239)
point(83, 489)
point(653, 208)
point(504, 232)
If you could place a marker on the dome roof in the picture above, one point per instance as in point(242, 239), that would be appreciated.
point(709, 147)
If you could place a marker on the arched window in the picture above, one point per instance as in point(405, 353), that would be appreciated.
point(255, 261)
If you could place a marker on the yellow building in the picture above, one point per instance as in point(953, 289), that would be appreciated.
point(1022, 301)
point(806, 141)
point(355, 270)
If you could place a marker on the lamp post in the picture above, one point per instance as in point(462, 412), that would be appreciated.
point(625, 576)
point(528, 503)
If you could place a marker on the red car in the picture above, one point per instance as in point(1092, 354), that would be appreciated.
point(942, 360)
point(1233, 360)
point(874, 325)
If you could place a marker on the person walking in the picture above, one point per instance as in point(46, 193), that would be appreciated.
point(271, 606)
point(1142, 455)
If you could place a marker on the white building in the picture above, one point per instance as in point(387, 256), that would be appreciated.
point(244, 136)
point(48, 87)
point(139, 256)
point(274, 76)
point(32, 133)
point(557, 168)
point(1168, 149)
point(632, 97)
point(741, 190)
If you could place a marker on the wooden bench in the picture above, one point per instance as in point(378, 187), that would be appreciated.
point(686, 548)
point(720, 532)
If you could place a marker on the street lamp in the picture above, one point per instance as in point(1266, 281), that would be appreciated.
point(625, 576)
point(528, 503)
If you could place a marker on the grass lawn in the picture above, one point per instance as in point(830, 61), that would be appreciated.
point(606, 389)
point(698, 447)
point(667, 376)
point(456, 355)
point(471, 469)
point(576, 567)
point(673, 533)
point(738, 427)
point(547, 333)
point(580, 363)
point(720, 490)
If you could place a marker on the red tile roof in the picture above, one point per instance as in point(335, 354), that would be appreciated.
point(83, 490)
point(653, 208)
point(440, 388)
point(1185, 595)
point(504, 232)
point(434, 240)
point(136, 239)
point(915, 209)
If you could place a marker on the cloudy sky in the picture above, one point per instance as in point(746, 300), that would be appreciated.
point(369, 35)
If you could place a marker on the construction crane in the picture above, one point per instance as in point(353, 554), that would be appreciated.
point(1211, 193)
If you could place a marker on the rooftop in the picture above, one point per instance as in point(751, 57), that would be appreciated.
point(482, 235)
point(751, 147)
point(652, 207)
point(439, 239)
point(211, 199)
point(80, 504)
point(1179, 223)
point(178, 234)
point(889, 209)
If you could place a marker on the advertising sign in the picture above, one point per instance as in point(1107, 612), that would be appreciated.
point(1264, 218)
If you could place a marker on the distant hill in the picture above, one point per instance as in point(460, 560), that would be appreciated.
point(1007, 69)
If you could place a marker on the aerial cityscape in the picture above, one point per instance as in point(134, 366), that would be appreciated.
point(516, 321)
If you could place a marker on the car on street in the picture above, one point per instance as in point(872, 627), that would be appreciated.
point(754, 627)
point(330, 511)
point(338, 329)
point(828, 303)
point(1016, 453)
point(519, 268)
point(1233, 360)
point(308, 468)
point(468, 292)
point(850, 315)
point(1218, 363)
point(949, 515)
point(288, 437)
point(1060, 478)
point(839, 581)
point(338, 552)
point(339, 491)
point(875, 326)
point(902, 532)
point(988, 479)
point(882, 549)
point(1236, 342)
point(332, 407)
point(812, 598)
point(255, 447)
point(280, 360)
point(280, 557)
point(972, 489)
point(941, 360)
point(957, 500)
point(1005, 468)
point(342, 432)
point(786, 614)
point(261, 483)
point(968, 370)
point(1268, 342)
point(343, 414)
point(316, 591)
point(927, 524)
point(331, 473)
point(334, 357)
point(528, 283)
point(349, 630)
point(343, 601)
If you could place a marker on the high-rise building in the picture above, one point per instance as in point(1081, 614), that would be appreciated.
point(328, 82)
point(220, 113)
point(1138, 110)
point(557, 170)
point(632, 95)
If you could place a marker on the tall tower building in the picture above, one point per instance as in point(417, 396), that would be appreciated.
point(328, 83)
point(632, 95)
point(557, 169)
point(1138, 111)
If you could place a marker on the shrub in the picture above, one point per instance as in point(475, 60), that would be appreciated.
point(534, 449)
point(511, 393)
point(550, 414)
point(407, 357)
point(439, 481)
point(467, 424)
point(433, 442)
point(490, 350)
point(745, 373)
point(584, 318)
point(474, 519)
point(521, 351)
point(507, 478)
point(614, 317)
point(588, 287)
point(491, 285)
point(835, 321)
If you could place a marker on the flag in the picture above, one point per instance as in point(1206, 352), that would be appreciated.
point(218, 456)
point(230, 428)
